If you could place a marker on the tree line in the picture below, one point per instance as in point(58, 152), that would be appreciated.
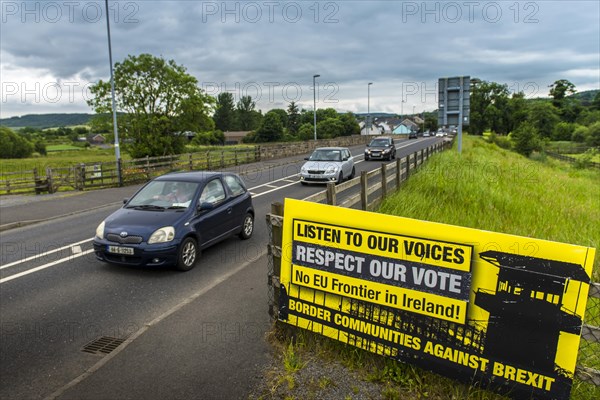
point(159, 103)
point(563, 116)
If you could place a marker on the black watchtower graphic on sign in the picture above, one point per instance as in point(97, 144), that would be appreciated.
point(526, 311)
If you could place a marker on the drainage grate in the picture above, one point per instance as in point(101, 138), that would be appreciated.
point(102, 345)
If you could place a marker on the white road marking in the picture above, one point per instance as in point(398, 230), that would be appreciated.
point(45, 254)
point(41, 267)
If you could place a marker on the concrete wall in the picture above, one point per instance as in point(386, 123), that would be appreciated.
point(271, 151)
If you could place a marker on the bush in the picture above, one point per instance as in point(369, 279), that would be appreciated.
point(586, 159)
point(526, 139)
point(500, 141)
point(209, 138)
point(594, 135)
point(13, 145)
point(580, 134)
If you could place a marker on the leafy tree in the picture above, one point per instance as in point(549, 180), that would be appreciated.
point(526, 139)
point(282, 114)
point(225, 112)
point(326, 113)
point(559, 90)
point(543, 116)
point(488, 103)
point(568, 106)
point(517, 111)
point(306, 132)
point(271, 129)
point(350, 124)
point(158, 99)
point(330, 128)
point(100, 124)
point(563, 131)
point(293, 121)
point(13, 145)
point(40, 147)
point(248, 118)
point(307, 117)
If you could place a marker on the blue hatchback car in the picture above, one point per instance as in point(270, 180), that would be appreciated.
point(173, 217)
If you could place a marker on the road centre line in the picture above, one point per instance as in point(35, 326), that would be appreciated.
point(45, 254)
point(41, 267)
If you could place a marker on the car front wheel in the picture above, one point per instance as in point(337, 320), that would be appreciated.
point(188, 254)
point(247, 227)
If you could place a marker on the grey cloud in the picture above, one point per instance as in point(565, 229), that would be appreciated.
point(347, 42)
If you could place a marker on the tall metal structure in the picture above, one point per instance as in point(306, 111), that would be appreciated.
point(454, 99)
point(315, 102)
point(114, 105)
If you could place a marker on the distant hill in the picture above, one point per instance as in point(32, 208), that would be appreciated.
point(586, 97)
point(43, 121)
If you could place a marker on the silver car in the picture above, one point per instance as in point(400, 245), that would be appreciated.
point(328, 164)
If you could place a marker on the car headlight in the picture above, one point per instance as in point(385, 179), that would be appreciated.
point(100, 231)
point(331, 169)
point(162, 235)
point(304, 170)
point(368, 151)
point(386, 151)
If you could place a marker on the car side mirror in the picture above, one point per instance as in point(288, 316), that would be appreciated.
point(306, 158)
point(125, 200)
point(204, 206)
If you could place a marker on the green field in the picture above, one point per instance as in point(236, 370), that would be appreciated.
point(69, 156)
point(61, 147)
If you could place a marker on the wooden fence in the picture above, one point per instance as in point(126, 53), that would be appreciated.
point(110, 174)
point(570, 159)
point(368, 191)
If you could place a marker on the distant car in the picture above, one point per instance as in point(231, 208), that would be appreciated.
point(439, 134)
point(426, 134)
point(173, 217)
point(328, 164)
point(413, 135)
point(381, 148)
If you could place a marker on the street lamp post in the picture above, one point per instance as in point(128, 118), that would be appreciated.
point(368, 125)
point(315, 103)
point(114, 106)
point(402, 110)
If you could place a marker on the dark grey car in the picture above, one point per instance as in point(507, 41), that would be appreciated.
point(381, 148)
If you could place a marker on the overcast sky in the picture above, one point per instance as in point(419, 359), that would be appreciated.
point(51, 51)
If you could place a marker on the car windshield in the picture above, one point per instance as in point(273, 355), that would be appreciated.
point(379, 143)
point(158, 195)
point(326, 155)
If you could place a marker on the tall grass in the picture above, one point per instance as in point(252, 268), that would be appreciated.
point(493, 189)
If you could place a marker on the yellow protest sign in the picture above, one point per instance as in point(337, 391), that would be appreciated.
point(466, 303)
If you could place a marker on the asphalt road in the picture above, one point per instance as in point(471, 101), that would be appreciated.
point(187, 335)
